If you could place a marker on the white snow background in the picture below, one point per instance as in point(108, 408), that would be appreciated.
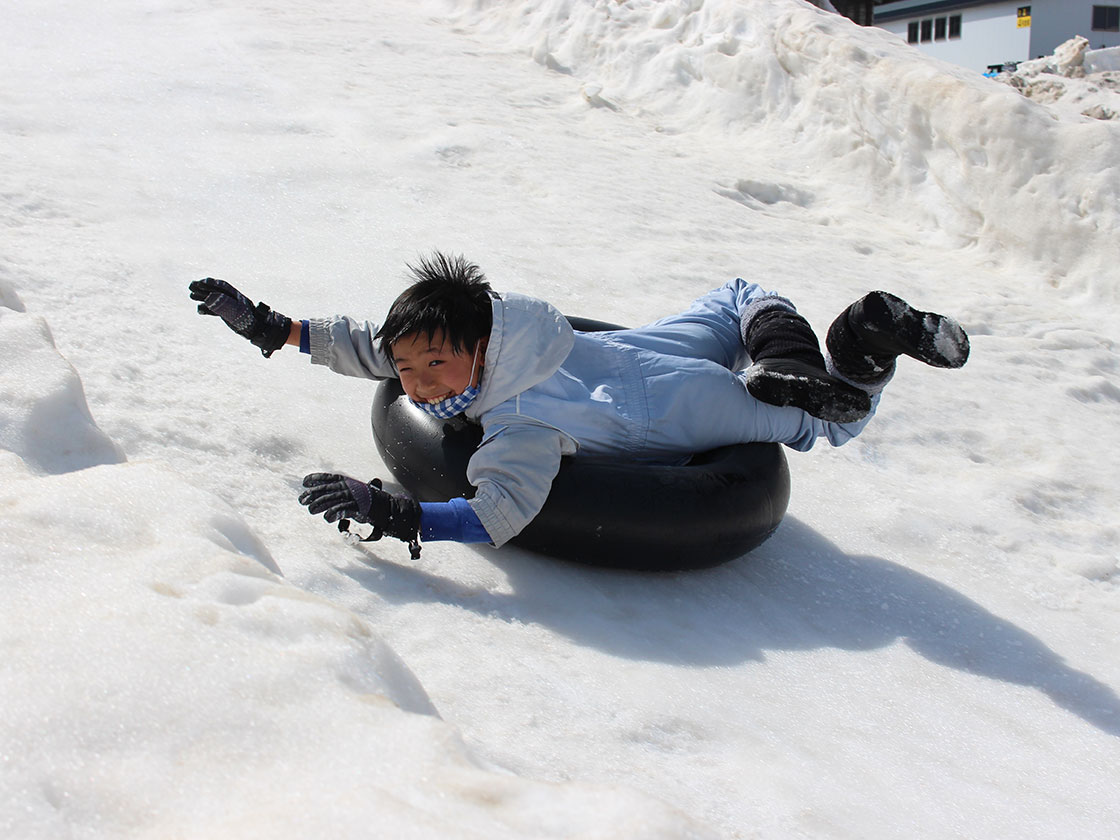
point(928, 645)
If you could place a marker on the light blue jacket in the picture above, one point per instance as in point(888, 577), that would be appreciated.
point(656, 393)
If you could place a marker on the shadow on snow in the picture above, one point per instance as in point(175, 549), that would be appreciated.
point(795, 592)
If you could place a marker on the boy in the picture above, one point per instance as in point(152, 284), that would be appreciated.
point(739, 365)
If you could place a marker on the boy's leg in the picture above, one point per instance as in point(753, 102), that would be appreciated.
point(863, 343)
point(702, 406)
point(709, 329)
point(742, 322)
point(741, 319)
point(867, 337)
point(787, 368)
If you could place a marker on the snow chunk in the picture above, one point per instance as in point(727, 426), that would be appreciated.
point(1102, 61)
point(44, 418)
point(1068, 60)
point(8, 297)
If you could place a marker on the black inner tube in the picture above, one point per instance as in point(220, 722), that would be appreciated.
point(718, 506)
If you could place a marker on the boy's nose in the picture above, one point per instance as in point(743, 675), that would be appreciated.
point(426, 385)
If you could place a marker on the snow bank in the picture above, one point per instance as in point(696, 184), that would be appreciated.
point(1068, 59)
point(1073, 58)
point(1102, 61)
point(160, 677)
point(1075, 83)
point(931, 145)
point(44, 418)
point(934, 625)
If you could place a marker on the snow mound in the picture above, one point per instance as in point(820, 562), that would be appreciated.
point(930, 145)
point(1101, 61)
point(1075, 82)
point(162, 678)
point(173, 682)
point(44, 418)
point(1068, 59)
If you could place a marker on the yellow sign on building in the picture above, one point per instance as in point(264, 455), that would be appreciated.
point(1023, 18)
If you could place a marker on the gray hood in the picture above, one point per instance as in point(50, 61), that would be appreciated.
point(529, 340)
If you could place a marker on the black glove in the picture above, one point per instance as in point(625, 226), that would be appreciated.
point(339, 497)
point(268, 330)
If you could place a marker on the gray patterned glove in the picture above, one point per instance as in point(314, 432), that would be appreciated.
point(266, 329)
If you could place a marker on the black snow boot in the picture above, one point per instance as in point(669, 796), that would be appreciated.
point(787, 368)
point(867, 337)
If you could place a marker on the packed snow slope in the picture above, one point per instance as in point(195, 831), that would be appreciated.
point(848, 115)
point(925, 648)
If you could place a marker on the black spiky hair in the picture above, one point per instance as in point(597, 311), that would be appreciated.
point(450, 295)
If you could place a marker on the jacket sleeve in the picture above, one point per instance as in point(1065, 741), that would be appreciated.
point(512, 471)
point(346, 346)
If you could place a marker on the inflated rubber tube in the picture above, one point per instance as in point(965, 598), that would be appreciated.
point(717, 507)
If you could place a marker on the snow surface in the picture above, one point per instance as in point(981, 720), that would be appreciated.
point(925, 648)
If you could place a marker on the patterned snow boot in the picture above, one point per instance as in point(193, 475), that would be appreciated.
point(787, 368)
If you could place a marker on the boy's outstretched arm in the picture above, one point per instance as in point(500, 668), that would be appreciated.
point(266, 329)
point(395, 515)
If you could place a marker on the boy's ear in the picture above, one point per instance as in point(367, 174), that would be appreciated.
point(482, 345)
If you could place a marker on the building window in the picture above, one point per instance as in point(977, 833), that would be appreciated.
point(1106, 18)
point(933, 29)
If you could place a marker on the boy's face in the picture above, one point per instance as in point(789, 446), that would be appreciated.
point(430, 371)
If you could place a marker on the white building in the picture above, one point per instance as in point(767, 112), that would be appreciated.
point(982, 33)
